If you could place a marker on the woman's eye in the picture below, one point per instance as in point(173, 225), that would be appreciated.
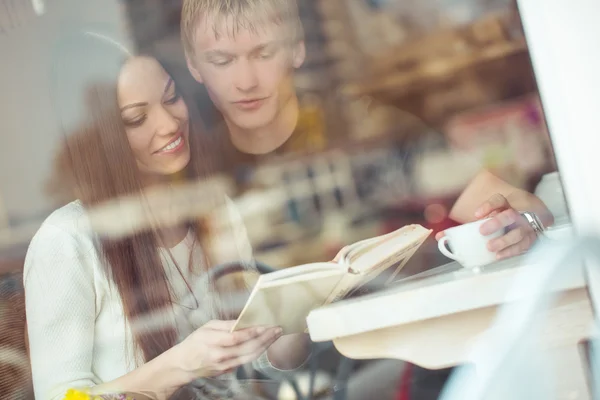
point(134, 122)
point(173, 99)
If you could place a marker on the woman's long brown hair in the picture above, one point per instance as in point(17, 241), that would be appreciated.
point(96, 165)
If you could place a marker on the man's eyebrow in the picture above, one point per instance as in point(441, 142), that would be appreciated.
point(264, 45)
point(222, 53)
point(216, 53)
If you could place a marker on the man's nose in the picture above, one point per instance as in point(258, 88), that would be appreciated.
point(245, 78)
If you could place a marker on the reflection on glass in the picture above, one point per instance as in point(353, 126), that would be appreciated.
point(319, 124)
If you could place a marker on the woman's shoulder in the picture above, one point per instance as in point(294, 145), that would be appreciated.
point(70, 218)
point(67, 228)
point(62, 261)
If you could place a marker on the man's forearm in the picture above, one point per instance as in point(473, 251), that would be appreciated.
point(483, 186)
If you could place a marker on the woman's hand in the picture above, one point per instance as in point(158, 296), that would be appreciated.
point(519, 236)
point(213, 350)
point(209, 351)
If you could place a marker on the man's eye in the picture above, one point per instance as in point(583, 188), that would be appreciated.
point(221, 63)
point(266, 54)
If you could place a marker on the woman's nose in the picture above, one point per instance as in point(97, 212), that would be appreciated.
point(166, 123)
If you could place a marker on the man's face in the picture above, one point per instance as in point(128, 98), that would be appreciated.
point(249, 75)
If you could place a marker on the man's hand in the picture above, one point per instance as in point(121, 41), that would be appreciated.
point(519, 236)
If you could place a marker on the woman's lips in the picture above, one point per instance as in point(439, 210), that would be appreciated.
point(173, 146)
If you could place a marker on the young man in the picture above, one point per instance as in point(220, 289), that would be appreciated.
point(245, 52)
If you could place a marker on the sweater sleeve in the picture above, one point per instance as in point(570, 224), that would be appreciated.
point(61, 309)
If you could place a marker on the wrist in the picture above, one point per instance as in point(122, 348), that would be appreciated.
point(173, 365)
point(534, 221)
point(527, 202)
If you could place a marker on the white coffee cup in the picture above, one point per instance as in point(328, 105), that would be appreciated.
point(468, 246)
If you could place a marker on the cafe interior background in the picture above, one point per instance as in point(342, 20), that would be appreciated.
point(402, 103)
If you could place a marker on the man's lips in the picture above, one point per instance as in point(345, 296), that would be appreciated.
point(250, 104)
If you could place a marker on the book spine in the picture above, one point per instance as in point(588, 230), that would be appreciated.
point(342, 288)
point(352, 283)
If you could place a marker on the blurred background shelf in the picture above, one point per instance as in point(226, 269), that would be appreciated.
point(447, 71)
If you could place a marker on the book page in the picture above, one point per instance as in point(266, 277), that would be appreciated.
point(350, 252)
point(298, 271)
point(284, 298)
point(287, 303)
point(370, 260)
point(401, 245)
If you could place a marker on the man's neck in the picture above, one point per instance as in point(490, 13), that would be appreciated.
point(268, 138)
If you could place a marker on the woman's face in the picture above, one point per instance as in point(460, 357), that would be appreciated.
point(155, 117)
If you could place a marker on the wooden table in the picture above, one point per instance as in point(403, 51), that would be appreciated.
point(433, 318)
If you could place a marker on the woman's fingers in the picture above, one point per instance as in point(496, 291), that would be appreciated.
point(232, 357)
point(219, 333)
point(251, 355)
point(247, 346)
point(260, 342)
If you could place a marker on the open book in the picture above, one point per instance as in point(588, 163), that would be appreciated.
point(285, 298)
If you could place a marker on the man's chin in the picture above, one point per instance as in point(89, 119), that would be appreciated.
point(251, 126)
point(254, 120)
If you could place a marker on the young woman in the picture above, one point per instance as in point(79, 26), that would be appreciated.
point(134, 313)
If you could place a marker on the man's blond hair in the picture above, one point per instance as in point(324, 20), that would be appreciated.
point(237, 15)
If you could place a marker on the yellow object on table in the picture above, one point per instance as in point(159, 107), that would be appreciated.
point(74, 394)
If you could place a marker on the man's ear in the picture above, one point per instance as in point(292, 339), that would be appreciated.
point(299, 54)
point(193, 70)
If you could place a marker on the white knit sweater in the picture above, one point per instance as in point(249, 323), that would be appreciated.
point(77, 330)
